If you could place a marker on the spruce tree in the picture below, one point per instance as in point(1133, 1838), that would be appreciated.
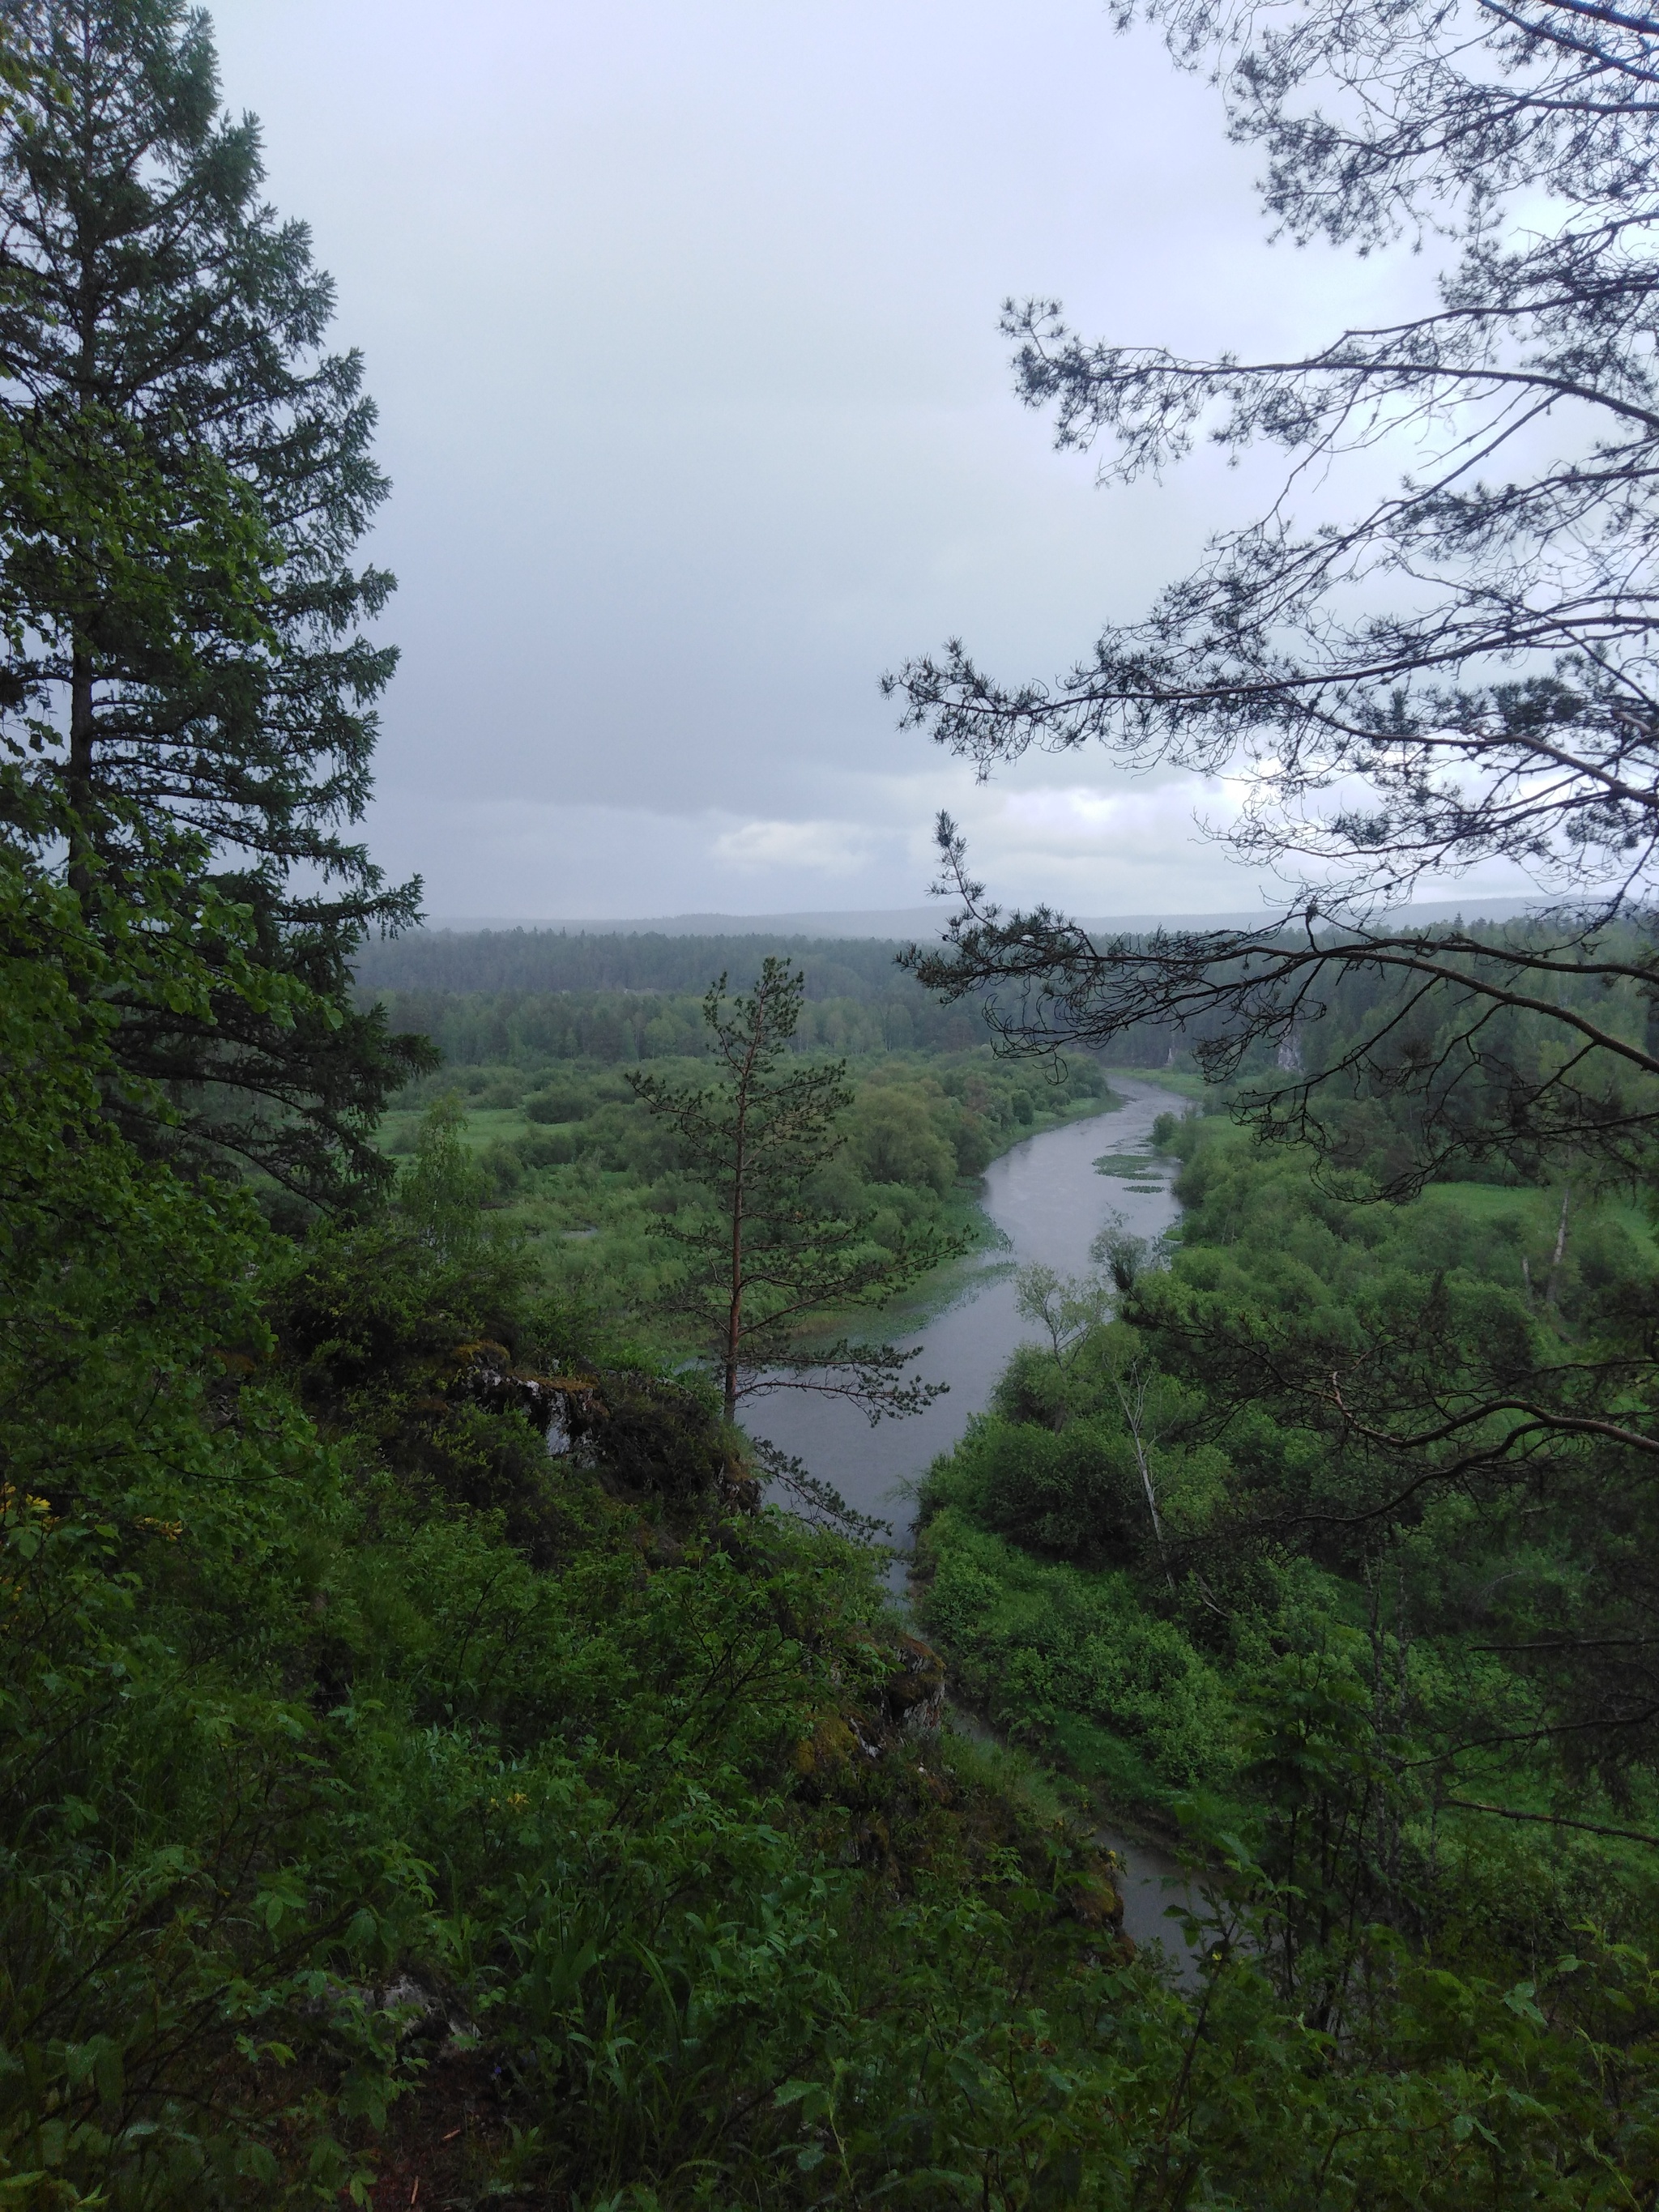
point(187, 471)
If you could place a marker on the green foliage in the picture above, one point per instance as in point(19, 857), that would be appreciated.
point(525, 993)
point(894, 1139)
point(515, 1030)
point(423, 1768)
point(1363, 1367)
point(185, 472)
point(1381, 1693)
point(174, 1843)
point(1039, 1642)
point(443, 1190)
point(766, 1259)
point(1076, 1495)
point(385, 1796)
point(577, 1164)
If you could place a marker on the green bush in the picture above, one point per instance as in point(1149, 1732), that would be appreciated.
point(1037, 1642)
point(1077, 1494)
point(548, 1148)
point(559, 1101)
point(893, 1138)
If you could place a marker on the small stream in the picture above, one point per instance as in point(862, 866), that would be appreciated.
point(1050, 1201)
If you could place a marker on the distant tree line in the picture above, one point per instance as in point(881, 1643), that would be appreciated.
point(1396, 1078)
point(517, 997)
point(520, 1029)
point(497, 960)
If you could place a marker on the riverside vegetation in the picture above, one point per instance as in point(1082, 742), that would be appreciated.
point(429, 1772)
point(1166, 1510)
point(568, 1152)
point(387, 1800)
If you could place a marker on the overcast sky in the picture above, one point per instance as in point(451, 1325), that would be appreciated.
point(681, 315)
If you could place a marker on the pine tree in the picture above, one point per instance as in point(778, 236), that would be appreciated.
point(188, 471)
point(765, 1261)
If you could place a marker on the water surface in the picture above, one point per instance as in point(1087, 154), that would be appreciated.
point(1050, 1201)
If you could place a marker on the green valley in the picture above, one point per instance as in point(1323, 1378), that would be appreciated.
point(450, 1757)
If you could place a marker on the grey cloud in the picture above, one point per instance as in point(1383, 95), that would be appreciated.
point(681, 314)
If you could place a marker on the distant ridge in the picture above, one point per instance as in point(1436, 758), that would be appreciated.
point(888, 923)
point(881, 922)
point(842, 955)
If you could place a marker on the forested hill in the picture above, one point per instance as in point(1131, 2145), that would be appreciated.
point(538, 960)
point(521, 997)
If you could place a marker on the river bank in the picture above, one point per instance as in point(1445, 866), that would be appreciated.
point(1047, 1199)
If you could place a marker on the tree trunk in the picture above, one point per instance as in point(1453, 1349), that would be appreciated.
point(740, 1193)
point(734, 1309)
point(752, 1062)
point(1552, 1288)
point(81, 735)
point(1132, 1408)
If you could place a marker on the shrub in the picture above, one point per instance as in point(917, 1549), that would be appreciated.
point(559, 1101)
point(1077, 1494)
point(893, 1138)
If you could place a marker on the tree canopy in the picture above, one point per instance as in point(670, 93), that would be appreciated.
point(190, 684)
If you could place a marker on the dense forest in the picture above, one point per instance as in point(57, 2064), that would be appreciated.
point(1191, 1492)
point(443, 1759)
point(536, 961)
point(517, 997)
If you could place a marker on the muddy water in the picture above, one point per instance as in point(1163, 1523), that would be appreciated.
point(1050, 1201)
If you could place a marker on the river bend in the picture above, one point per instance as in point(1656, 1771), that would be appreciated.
point(1050, 1201)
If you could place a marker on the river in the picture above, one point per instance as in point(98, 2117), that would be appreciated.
point(1050, 1201)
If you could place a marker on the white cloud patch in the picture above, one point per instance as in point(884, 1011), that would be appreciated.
point(825, 848)
point(1124, 849)
point(1084, 819)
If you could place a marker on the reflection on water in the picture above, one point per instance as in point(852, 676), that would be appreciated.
point(1050, 1201)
